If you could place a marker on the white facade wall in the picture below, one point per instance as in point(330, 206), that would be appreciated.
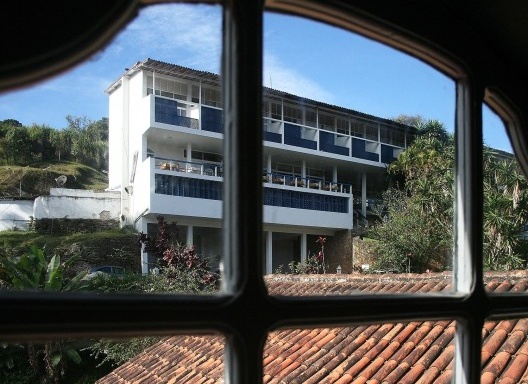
point(15, 214)
point(77, 204)
point(307, 219)
point(143, 189)
point(115, 138)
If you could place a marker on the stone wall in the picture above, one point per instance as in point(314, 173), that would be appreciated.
point(365, 252)
point(338, 252)
point(122, 251)
point(348, 251)
point(70, 226)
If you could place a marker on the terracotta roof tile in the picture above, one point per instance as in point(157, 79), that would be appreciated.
point(516, 369)
point(390, 353)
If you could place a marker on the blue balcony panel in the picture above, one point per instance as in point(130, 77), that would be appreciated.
point(166, 111)
point(358, 150)
point(305, 200)
point(292, 136)
point(272, 136)
point(212, 120)
point(387, 154)
point(188, 187)
point(293, 131)
point(326, 144)
point(212, 190)
point(304, 143)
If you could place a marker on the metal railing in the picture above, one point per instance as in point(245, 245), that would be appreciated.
point(305, 182)
point(207, 169)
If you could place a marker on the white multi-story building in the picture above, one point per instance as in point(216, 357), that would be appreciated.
point(322, 163)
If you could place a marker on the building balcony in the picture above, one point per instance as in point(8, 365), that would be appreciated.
point(195, 168)
point(207, 119)
point(306, 183)
point(181, 188)
point(330, 142)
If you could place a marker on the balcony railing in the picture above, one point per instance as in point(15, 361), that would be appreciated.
point(175, 113)
point(309, 183)
point(172, 165)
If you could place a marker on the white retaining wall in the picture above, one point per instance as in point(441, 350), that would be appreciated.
point(64, 203)
point(15, 214)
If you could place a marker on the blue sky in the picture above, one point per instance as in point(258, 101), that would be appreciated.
point(300, 56)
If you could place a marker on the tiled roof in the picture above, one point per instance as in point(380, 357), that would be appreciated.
point(401, 352)
point(210, 78)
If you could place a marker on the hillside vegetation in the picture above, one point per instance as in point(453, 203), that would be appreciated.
point(32, 157)
point(37, 179)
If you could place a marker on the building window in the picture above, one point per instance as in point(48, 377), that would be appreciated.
point(392, 136)
point(292, 114)
point(211, 97)
point(342, 126)
point(310, 117)
point(327, 122)
point(276, 110)
point(167, 88)
point(371, 132)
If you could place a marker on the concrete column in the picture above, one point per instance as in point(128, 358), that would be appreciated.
point(144, 255)
point(364, 194)
point(189, 155)
point(304, 248)
point(334, 174)
point(268, 164)
point(303, 169)
point(269, 252)
point(190, 234)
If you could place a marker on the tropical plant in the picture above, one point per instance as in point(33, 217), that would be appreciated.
point(415, 231)
point(33, 272)
point(505, 213)
point(314, 263)
point(410, 239)
point(175, 256)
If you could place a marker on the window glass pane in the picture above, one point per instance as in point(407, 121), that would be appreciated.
point(373, 188)
point(116, 167)
point(410, 352)
point(179, 359)
point(505, 204)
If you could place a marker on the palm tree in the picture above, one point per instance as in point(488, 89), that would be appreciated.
point(505, 213)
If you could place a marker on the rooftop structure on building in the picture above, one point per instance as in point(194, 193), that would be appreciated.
point(323, 164)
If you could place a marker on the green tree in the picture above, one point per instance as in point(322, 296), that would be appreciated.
point(8, 123)
point(61, 142)
point(89, 143)
point(417, 214)
point(410, 238)
point(17, 145)
point(505, 213)
point(416, 217)
point(40, 138)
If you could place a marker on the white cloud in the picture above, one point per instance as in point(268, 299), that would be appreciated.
point(188, 35)
point(280, 77)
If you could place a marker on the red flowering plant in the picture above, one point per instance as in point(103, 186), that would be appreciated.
point(315, 263)
point(175, 257)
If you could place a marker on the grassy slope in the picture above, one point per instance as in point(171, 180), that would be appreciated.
point(37, 179)
point(25, 239)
